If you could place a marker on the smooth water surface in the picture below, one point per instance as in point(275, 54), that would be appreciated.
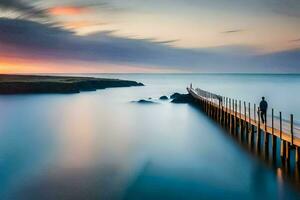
point(101, 145)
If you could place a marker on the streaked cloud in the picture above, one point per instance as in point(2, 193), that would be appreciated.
point(233, 31)
point(167, 41)
point(68, 10)
point(286, 8)
point(295, 40)
point(167, 34)
point(82, 24)
point(25, 8)
point(23, 39)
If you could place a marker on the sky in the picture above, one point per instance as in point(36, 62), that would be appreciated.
point(149, 36)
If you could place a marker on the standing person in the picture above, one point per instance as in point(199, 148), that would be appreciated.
point(263, 105)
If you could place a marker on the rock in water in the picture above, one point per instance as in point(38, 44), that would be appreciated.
point(163, 98)
point(143, 101)
point(183, 98)
point(175, 95)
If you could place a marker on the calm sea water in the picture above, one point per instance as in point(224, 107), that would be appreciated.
point(100, 145)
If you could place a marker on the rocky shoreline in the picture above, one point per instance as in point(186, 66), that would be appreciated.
point(174, 98)
point(31, 84)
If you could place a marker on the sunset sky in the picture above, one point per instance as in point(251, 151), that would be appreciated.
point(41, 36)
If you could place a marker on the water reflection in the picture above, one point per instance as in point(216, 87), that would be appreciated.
point(77, 134)
point(98, 145)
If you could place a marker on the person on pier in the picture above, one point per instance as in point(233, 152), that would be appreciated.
point(263, 106)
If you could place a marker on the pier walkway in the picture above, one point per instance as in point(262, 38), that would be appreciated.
point(243, 121)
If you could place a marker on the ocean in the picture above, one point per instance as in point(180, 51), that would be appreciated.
point(103, 145)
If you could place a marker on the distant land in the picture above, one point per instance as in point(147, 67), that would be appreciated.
point(33, 84)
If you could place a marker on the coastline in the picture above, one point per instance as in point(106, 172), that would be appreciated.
point(35, 84)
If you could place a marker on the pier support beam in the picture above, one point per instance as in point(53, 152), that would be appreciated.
point(274, 139)
point(282, 149)
point(297, 155)
point(274, 147)
point(251, 139)
point(258, 136)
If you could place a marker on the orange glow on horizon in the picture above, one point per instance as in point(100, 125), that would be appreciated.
point(68, 10)
point(13, 65)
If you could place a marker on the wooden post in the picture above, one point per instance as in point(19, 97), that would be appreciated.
point(287, 157)
point(266, 139)
point(232, 114)
point(297, 155)
point(240, 121)
point(245, 122)
point(235, 115)
point(217, 112)
point(280, 124)
point(265, 130)
point(274, 143)
point(292, 129)
point(250, 134)
point(272, 121)
point(255, 113)
point(207, 103)
point(282, 149)
point(240, 108)
point(287, 151)
point(210, 105)
point(245, 111)
point(214, 108)
point(282, 142)
point(223, 113)
point(249, 110)
point(220, 110)
point(230, 119)
point(258, 132)
point(226, 116)
point(297, 166)
point(204, 104)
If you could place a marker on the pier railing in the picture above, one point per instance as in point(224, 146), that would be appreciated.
point(242, 119)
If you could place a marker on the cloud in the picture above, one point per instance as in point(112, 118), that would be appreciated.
point(81, 8)
point(167, 41)
point(24, 8)
point(287, 7)
point(32, 40)
point(68, 10)
point(233, 31)
point(82, 24)
point(295, 40)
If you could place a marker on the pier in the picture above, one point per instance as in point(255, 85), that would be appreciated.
point(277, 140)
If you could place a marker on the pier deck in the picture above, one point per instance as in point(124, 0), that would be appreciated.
point(286, 125)
point(243, 121)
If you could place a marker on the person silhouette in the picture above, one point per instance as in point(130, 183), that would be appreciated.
point(263, 106)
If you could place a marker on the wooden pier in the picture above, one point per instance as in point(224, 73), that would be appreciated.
point(276, 140)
